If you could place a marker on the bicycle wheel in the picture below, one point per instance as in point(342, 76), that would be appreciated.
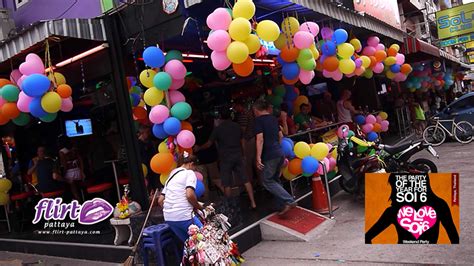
point(434, 135)
point(463, 132)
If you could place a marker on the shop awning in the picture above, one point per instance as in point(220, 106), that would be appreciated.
point(351, 17)
point(413, 45)
point(455, 60)
point(89, 29)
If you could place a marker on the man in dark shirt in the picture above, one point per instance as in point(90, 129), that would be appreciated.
point(228, 137)
point(270, 156)
point(147, 151)
point(47, 172)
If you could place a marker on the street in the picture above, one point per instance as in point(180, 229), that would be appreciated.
point(345, 241)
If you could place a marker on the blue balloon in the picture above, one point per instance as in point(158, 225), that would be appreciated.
point(159, 132)
point(35, 85)
point(395, 68)
point(290, 71)
point(200, 189)
point(289, 141)
point(135, 99)
point(309, 165)
point(328, 48)
point(340, 36)
point(290, 94)
point(153, 57)
point(286, 147)
point(172, 126)
point(372, 136)
point(359, 119)
point(35, 108)
point(280, 61)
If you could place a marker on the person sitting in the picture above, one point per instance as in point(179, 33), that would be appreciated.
point(46, 171)
point(286, 122)
point(303, 119)
point(326, 107)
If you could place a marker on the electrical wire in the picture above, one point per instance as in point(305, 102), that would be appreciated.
point(67, 9)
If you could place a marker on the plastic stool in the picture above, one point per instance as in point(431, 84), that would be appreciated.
point(157, 238)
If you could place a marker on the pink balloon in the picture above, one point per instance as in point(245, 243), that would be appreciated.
point(303, 39)
point(15, 76)
point(285, 163)
point(400, 59)
point(66, 105)
point(380, 47)
point(310, 27)
point(218, 40)
point(379, 119)
point(373, 41)
point(337, 75)
point(23, 103)
point(358, 62)
point(329, 147)
point(220, 19)
point(186, 139)
point(370, 119)
point(199, 176)
point(343, 131)
point(32, 65)
point(220, 60)
point(320, 170)
point(350, 75)
point(326, 33)
point(359, 71)
point(176, 97)
point(158, 114)
point(367, 128)
point(325, 161)
point(176, 84)
point(20, 80)
point(332, 163)
point(2, 101)
point(175, 69)
point(368, 50)
point(378, 68)
point(384, 123)
point(327, 74)
point(306, 76)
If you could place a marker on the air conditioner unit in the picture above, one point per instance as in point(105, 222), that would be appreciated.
point(7, 25)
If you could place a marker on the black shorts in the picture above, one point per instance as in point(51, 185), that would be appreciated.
point(232, 166)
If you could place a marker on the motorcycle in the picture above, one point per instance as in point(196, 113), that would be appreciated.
point(397, 158)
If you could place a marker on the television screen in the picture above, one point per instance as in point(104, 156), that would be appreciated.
point(79, 127)
point(317, 88)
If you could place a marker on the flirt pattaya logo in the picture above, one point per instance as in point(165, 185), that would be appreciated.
point(90, 212)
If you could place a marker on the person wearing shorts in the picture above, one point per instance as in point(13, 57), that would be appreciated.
point(228, 137)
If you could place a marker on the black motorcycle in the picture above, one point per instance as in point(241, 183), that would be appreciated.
point(397, 158)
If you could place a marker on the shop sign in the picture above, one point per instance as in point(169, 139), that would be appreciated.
point(384, 10)
point(170, 6)
point(455, 21)
point(471, 58)
point(457, 40)
point(470, 45)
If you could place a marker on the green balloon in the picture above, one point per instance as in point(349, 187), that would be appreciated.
point(368, 73)
point(307, 175)
point(308, 65)
point(181, 110)
point(49, 117)
point(350, 134)
point(275, 100)
point(162, 81)
point(279, 91)
point(136, 89)
point(10, 93)
point(173, 55)
point(361, 149)
point(22, 120)
point(305, 54)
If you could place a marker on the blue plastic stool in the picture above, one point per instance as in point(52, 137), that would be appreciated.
point(157, 238)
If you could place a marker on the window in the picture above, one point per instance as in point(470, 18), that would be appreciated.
point(20, 3)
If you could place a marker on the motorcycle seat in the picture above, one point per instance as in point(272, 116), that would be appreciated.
point(357, 162)
point(396, 148)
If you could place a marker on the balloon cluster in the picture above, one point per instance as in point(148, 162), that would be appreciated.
point(423, 78)
point(136, 100)
point(5, 186)
point(40, 95)
point(231, 38)
point(307, 159)
point(371, 125)
point(298, 53)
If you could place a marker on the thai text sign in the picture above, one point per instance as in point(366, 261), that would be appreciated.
point(455, 21)
point(457, 40)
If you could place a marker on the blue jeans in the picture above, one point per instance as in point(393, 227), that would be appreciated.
point(271, 181)
point(180, 228)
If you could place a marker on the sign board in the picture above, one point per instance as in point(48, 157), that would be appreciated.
point(457, 40)
point(470, 45)
point(384, 10)
point(455, 21)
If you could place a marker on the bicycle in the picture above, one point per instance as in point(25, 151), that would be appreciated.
point(436, 134)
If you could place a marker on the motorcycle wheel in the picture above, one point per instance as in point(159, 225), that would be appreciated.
point(346, 187)
point(425, 164)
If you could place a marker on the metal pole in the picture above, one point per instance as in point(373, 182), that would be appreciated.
point(327, 191)
point(116, 179)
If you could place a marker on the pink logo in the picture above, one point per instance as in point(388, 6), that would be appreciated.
point(416, 222)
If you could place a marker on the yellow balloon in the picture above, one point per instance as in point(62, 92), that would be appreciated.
point(51, 102)
point(290, 25)
point(347, 66)
point(383, 115)
point(315, 51)
point(5, 185)
point(57, 77)
point(282, 41)
point(390, 74)
point(319, 151)
point(4, 198)
point(395, 46)
point(356, 43)
point(239, 29)
point(300, 100)
point(345, 50)
point(146, 77)
point(268, 30)
point(237, 52)
point(334, 153)
point(144, 169)
point(153, 96)
point(302, 149)
point(243, 9)
point(163, 178)
point(253, 43)
point(162, 148)
point(365, 61)
point(287, 175)
point(141, 104)
point(390, 61)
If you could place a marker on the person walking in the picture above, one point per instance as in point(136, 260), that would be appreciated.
point(228, 137)
point(270, 156)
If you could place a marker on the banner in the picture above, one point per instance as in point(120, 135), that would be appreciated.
point(384, 10)
point(457, 40)
point(455, 21)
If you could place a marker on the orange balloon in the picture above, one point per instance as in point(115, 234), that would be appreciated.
point(64, 90)
point(289, 54)
point(377, 128)
point(392, 52)
point(3, 120)
point(380, 55)
point(139, 113)
point(290, 81)
point(331, 63)
point(406, 69)
point(185, 125)
point(244, 69)
point(4, 82)
point(319, 67)
point(294, 166)
point(162, 162)
point(373, 61)
point(10, 110)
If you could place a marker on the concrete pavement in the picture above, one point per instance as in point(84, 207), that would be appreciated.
point(21, 259)
point(345, 241)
